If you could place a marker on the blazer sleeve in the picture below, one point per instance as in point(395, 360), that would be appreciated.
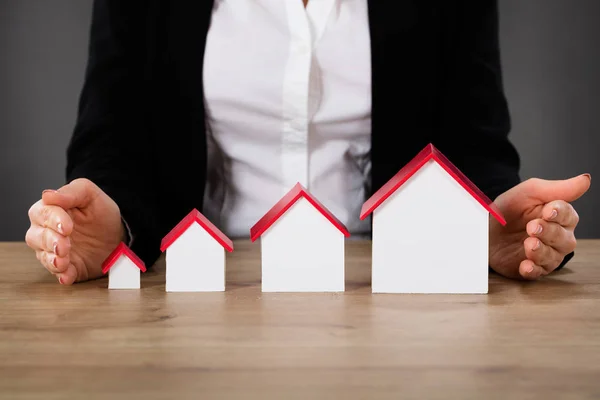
point(475, 118)
point(110, 144)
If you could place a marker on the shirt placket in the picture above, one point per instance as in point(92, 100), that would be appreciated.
point(306, 28)
point(294, 155)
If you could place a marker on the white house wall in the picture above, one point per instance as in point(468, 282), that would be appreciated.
point(124, 274)
point(195, 263)
point(302, 252)
point(430, 236)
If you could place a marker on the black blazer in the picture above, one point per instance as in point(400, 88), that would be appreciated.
point(140, 132)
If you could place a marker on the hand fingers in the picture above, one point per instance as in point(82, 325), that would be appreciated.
point(568, 190)
point(561, 212)
point(541, 254)
point(52, 217)
point(77, 194)
point(39, 238)
point(530, 271)
point(552, 234)
point(68, 276)
point(53, 263)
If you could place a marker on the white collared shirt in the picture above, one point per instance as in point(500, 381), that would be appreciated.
point(288, 99)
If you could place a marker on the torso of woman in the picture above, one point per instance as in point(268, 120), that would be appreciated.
point(288, 99)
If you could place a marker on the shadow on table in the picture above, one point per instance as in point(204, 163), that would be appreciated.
point(550, 288)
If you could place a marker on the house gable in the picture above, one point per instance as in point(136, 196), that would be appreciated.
point(197, 240)
point(196, 217)
point(285, 203)
point(408, 171)
point(299, 219)
point(122, 250)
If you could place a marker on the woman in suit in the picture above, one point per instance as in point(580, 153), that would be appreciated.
point(223, 105)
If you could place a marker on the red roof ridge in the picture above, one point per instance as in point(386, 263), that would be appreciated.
point(120, 250)
point(430, 152)
point(187, 221)
point(285, 203)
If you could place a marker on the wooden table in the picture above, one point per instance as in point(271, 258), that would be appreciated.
point(524, 340)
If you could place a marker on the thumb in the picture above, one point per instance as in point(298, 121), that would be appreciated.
point(77, 194)
point(567, 190)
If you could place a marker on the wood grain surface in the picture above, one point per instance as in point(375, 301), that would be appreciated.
point(526, 340)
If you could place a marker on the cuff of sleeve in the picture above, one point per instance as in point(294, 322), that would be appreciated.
point(567, 258)
point(128, 235)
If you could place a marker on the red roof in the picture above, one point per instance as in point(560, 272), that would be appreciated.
point(429, 153)
point(285, 203)
point(121, 250)
point(196, 216)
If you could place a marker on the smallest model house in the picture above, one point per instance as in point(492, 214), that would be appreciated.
point(302, 245)
point(195, 255)
point(123, 268)
point(430, 230)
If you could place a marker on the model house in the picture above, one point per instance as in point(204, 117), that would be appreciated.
point(430, 230)
point(302, 245)
point(123, 268)
point(195, 255)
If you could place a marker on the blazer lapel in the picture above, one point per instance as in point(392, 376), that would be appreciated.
point(403, 57)
point(181, 135)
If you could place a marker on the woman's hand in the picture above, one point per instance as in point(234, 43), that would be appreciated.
point(73, 230)
point(540, 227)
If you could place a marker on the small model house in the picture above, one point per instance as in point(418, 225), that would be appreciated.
point(195, 255)
point(123, 268)
point(430, 230)
point(302, 245)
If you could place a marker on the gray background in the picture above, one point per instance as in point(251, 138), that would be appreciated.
point(551, 60)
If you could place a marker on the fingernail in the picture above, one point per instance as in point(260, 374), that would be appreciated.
point(588, 176)
point(554, 214)
point(529, 269)
point(54, 247)
point(54, 260)
point(60, 280)
point(536, 245)
point(49, 191)
point(538, 230)
point(60, 229)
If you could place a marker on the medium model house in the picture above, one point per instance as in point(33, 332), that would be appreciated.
point(195, 255)
point(430, 230)
point(302, 245)
point(123, 268)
